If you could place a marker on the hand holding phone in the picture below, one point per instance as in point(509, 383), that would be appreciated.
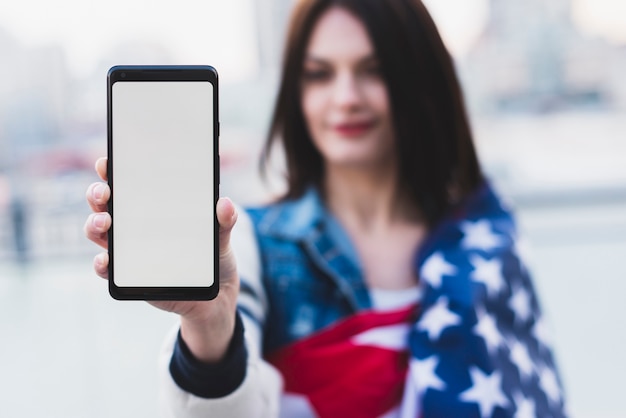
point(206, 326)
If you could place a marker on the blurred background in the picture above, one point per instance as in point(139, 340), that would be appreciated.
point(544, 82)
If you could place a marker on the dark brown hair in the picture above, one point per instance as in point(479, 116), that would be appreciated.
point(436, 155)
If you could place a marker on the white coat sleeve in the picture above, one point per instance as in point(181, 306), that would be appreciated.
point(259, 393)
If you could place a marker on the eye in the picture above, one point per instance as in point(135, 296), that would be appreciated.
point(316, 75)
point(372, 70)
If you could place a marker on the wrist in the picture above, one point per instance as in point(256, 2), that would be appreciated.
point(208, 337)
point(211, 380)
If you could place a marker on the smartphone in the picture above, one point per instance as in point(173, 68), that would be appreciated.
point(163, 171)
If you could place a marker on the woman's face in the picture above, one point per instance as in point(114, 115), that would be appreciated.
point(344, 98)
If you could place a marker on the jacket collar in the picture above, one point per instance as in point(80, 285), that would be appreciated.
point(303, 220)
point(295, 219)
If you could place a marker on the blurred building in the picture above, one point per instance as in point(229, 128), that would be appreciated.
point(41, 159)
point(271, 18)
point(532, 57)
point(33, 99)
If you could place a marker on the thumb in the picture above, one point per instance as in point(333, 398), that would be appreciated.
point(226, 217)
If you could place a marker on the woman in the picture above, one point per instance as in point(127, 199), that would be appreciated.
point(385, 282)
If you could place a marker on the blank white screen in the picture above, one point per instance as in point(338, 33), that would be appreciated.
point(162, 163)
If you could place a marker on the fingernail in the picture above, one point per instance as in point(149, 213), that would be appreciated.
point(99, 260)
point(98, 191)
point(99, 221)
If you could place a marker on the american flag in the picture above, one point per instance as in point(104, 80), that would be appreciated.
point(476, 346)
point(480, 348)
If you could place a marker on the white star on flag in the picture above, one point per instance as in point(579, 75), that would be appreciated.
point(479, 235)
point(434, 268)
point(549, 384)
point(488, 272)
point(424, 376)
point(541, 332)
point(525, 408)
point(437, 318)
point(521, 249)
point(488, 330)
point(520, 304)
point(485, 391)
point(521, 358)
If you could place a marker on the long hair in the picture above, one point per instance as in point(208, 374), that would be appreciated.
point(437, 160)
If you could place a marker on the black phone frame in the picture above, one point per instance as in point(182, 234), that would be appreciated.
point(122, 73)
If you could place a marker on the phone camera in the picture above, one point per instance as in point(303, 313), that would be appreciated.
point(123, 75)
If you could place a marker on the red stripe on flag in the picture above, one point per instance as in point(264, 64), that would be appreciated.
point(344, 379)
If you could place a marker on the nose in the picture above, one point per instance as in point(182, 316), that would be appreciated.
point(347, 92)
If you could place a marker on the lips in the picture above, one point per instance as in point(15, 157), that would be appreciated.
point(353, 129)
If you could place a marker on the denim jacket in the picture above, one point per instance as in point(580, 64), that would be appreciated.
point(309, 270)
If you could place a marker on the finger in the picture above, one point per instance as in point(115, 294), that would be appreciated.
point(226, 217)
point(98, 195)
point(101, 265)
point(96, 228)
point(101, 168)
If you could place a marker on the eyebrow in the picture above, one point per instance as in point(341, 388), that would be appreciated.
point(317, 60)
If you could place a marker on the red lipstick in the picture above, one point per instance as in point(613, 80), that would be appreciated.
point(353, 129)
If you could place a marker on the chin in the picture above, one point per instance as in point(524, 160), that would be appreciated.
point(353, 163)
